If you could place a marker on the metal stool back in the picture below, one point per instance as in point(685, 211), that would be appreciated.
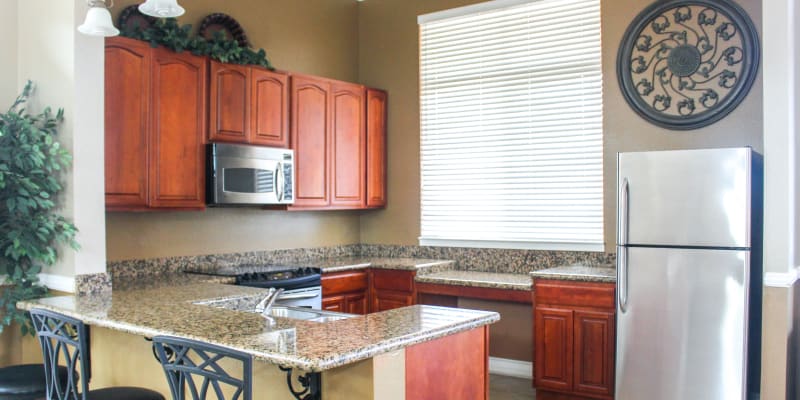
point(189, 362)
point(65, 338)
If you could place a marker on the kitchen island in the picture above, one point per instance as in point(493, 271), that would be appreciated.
point(385, 355)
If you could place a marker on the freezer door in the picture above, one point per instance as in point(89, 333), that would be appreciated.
point(681, 333)
point(687, 197)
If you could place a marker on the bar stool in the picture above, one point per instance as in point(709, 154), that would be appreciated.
point(185, 360)
point(65, 339)
point(25, 382)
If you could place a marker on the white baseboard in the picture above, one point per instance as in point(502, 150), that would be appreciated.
point(508, 367)
point(58, 282)
point(781, 279)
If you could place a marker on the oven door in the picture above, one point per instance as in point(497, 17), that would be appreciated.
point(248, 181)
point(310, 297)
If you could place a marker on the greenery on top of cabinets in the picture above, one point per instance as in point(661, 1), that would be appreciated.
point(31, 164)
point(166, 32)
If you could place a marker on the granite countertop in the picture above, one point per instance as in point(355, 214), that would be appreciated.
point(493, 280)
point(150, 310)
point(578, 272)
point(421, 265)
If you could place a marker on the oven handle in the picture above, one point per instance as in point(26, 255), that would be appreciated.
point(303, 295)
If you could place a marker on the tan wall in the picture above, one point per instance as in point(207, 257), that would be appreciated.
point(389, 59)
point(780, 362)
point(314, 36)
point(8, 42)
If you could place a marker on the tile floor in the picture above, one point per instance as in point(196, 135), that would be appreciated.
point(508, 388)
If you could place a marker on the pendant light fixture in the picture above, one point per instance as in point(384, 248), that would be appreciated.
point(98, 20)
point(161, 8)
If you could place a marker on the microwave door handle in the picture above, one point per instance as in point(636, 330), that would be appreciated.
point(278, 182)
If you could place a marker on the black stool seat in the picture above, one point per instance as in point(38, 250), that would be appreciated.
point(123, 393)
point(23, 382)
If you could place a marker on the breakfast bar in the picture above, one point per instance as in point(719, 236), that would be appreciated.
point(357, 357)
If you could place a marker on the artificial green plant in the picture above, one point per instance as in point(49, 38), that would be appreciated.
point(31, 164)
point(168, 33)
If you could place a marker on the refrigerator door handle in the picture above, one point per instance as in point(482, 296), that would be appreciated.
point(622, 278)
point(622, 241)
point(622, 225)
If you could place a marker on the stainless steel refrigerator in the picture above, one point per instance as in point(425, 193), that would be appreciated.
point(689, 274)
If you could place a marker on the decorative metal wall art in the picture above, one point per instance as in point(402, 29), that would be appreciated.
point(685, 64)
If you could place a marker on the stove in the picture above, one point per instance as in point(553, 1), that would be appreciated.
point(302, 286)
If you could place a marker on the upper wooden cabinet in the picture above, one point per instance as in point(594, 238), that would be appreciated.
point(248, 105)
point(229, 103)
point(348, 146)
point(310, 139)
point(339, 137)
point(269, 108)
point(376, 148)
point(127, 109)
point(178, 117)
point(155, 118)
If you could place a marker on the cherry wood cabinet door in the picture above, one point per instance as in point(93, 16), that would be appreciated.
point(348, 146)
point(553, 330)
point(376, 148)
point(388, 300)
point(127, 99)
point(310, 139)
point(334, 303)
point(594, 352)
point(229, 115)
point(357, 303)
point(269, 108)
point(178, 126)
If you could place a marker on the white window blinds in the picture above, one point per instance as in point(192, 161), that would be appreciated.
point(511, 125)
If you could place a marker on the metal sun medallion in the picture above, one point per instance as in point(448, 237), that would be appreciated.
point(685, 64)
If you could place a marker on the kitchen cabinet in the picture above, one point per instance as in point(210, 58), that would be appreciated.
point(392, 289)
point(346, 291)
point(156, 105)
point(248, 105)
point(127, 109)
point(338, 132)
point(573, 339)
point(376, 148)
point(310, 140)
point(348, 146)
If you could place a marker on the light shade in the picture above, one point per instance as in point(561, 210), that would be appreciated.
point(98, 23)
point(161, 8)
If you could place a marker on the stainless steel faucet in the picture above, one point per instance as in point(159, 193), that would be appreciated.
point(265, 305)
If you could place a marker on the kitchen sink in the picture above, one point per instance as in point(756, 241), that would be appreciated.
point(305, 314)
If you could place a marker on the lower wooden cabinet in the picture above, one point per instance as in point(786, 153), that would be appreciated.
point(346, 291)
point(367, 290)
point(392, 289)
point(573, 339)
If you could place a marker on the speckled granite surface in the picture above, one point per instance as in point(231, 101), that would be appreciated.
point(167, 308)
point(578, 272)
point(491, 260)
point(468, 259)
point(92, 284)
point(493, 280)
point(421, 265)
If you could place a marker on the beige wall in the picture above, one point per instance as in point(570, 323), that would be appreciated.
point(8, 42)
point(389, 59)
point(313, 36)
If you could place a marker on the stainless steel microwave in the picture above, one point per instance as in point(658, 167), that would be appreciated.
point(249, 175)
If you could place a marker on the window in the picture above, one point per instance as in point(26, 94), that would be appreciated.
point(511, 125)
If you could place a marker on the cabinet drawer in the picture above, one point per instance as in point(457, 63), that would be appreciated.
point(388, 279)
point(344, 282)
point(568, 293)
